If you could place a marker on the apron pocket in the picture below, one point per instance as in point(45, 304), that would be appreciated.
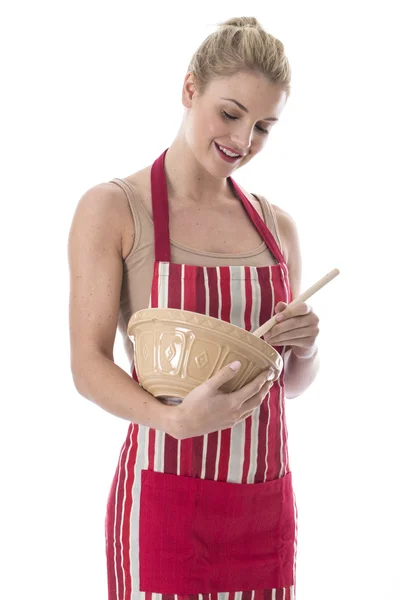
point(200, 536)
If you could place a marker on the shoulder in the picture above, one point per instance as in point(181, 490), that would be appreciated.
point(287, 227)
point(106, 200)
point(289, 234)
point(103, 208)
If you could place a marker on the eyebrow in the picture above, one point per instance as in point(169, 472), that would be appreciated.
point(246, 109)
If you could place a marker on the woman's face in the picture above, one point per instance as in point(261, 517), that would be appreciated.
point(213, 119)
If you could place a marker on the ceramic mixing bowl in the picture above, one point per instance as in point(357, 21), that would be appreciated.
point(177, 350)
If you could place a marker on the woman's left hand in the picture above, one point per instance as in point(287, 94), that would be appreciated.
point(297, 327)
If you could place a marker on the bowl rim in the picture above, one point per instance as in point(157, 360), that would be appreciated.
point(140, 316)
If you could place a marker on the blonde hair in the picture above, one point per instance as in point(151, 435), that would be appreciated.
point(240, 44)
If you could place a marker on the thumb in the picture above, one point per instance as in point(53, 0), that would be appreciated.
point(225, 374)
point(280, 307)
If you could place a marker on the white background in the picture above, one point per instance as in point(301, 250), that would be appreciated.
point(92, 91)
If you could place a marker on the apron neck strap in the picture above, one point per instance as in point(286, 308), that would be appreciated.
point(159, 199)
point(258, 223)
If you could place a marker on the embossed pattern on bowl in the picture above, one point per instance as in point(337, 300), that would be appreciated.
point(177, 350)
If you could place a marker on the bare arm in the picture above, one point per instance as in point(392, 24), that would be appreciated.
point(301, 368)
point(96, 270)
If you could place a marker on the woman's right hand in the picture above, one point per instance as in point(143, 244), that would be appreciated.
point(206, 408)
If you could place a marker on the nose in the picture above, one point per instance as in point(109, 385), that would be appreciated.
point(242, 141)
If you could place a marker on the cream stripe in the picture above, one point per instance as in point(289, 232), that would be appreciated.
point(163, 285)
point(183, 286)
point(238, 294)
point(207, 288)
point(217, 455)
point(204, 457)
point(159, 451)
point(123, 508)
point(219, 292)
point(282, 469)
point(207, 312)
point(141, 463)
point(269, 396)
point(255, 418)
point(115, 519)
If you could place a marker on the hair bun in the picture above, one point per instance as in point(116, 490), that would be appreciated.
point(241, 22)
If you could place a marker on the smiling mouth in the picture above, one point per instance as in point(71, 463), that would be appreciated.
point(226, 157)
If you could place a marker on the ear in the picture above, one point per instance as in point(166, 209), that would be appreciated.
point(188, 89)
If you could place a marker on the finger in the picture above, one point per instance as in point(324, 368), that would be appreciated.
point(293, 311)
point(251, 389)
point(280, 307)
point(290, 325)
point(294, 334)
point(225, 374)
point(263, 394)
point(304, 342)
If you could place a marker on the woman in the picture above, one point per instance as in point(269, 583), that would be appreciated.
point(184, 515)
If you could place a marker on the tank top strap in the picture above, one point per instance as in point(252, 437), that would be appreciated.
point(270, 218)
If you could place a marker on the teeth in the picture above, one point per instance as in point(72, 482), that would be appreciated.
point(231, 154)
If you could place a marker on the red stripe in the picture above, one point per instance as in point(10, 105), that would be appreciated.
point(225, 287)
point(197, 455)
point(189, 303)
point(274, 436)
point(109, 530)
point(247, 448)
point(213, 291)
point(212, 445)
point(266, 309)
point(116, 505)
point(225, 435)
point(190, 300)
point(200, 292)
point(248, 299)
point(174, 286)
point(154, 285)
point(127, 511)
point(151, 450)
point(170, 454)
point(259, 476)
point(285, 436)
point(264, 276)
point(225, 451)
point(247, 326)
point(186, 457)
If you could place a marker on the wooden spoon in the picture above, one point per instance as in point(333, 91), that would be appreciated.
point(302, 298)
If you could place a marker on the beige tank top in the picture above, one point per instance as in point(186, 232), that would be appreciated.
point(138, 265)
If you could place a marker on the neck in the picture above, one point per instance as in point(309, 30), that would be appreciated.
point(188, 179)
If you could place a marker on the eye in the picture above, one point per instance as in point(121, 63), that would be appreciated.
point(264, 131)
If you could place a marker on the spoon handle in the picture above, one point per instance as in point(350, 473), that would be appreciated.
point(302, 298)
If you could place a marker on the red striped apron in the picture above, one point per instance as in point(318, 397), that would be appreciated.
point(212, 517)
